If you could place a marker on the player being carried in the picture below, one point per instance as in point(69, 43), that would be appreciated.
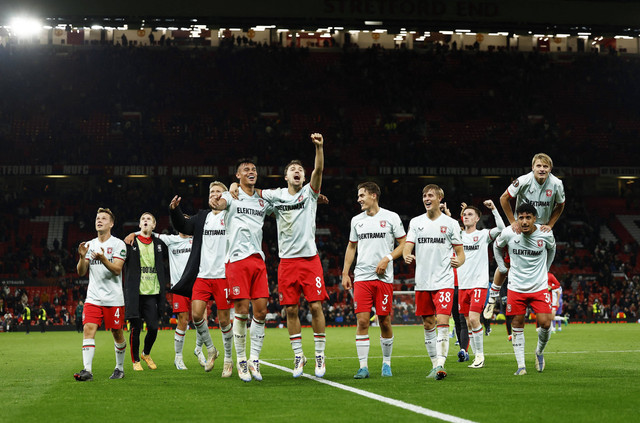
point(473, 277)
point(545, 192)
point(435, 237)
point(103, 257)
point(531, 252)
point(374, 233)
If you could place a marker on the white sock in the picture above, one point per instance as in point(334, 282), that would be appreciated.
point(430, 338)
point(296, 343)
point(203, 331)
point(88, 350)
point(543, 338)
point(227, 340)
point(120, 350)
point(257, 338)
point(518, 345)
point(198, 341)
point(387, 349)
point(178, 341)
point(320, 340)
point(478, 341)
point(362, 348)
point(240, 336)
point(442, 344)
point(472, 346)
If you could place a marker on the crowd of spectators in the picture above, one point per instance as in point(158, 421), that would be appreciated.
point(401, 106)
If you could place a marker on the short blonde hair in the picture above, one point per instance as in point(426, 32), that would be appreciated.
point(152, 216)
point(218, 184)
point(433, 187)
point(107, 211)
point(544, 158)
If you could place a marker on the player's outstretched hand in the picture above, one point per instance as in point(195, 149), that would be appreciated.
point(346, 282)
point(175, 202)
point(317, 139)
point(83, 247)
point(322, 199)
point(409, 258)
point(444, 209)
point(130, 239)
point(516, 227)
point(489, 204)
point(463, 206)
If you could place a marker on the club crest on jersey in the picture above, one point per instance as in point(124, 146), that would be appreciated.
point(159, 248)
point(383, 223)
point(508, 308)
point(443, 229)
point(221, 222)
point(236, 290)
point(549, 193)
point(175, 306)
point(261, 202)
point(475, 239)
point(280, 297)
point(109, 250)
point(516, 183)
point(300, 198)
point(540, 243)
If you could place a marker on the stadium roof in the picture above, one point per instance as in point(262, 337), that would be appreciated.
point(566, 16)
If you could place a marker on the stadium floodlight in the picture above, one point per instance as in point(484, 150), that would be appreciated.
point(25, 26)
point(584, 33)
point(462, 30)
point(446, 32)
point(372, 23)
point(97, 27)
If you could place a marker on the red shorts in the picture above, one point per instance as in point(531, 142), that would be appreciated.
point(180, 304)
point(429, 303)
point(366, 292)
point(113, 316)
point(304, 274)
point(247, 278)
point(471, 300)
point(204, 289)
point(517, 302)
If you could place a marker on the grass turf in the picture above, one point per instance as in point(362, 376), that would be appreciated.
point(592, 374)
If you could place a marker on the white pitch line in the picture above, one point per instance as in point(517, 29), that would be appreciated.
point(401, 404)
point(490, 354)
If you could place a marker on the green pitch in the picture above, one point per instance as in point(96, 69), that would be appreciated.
point(592, 374)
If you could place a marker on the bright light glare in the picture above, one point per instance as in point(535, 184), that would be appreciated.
point(25, 27)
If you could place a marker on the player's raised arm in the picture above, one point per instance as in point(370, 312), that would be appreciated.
point(316, 175)
point(349, 256)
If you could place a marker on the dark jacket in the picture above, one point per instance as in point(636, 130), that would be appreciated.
point(193, 226)
point(132, 277)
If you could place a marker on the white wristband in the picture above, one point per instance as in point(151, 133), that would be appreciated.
point(390, 257)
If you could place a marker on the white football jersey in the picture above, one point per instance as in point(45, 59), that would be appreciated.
point(376, 236)
point(105, 288)
point(244, 220)
point(434, 241)
point(179, 251)
point(528, 257)
point(214, 245)
point(296, 220)
point(543, 197)
point(474, 273)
